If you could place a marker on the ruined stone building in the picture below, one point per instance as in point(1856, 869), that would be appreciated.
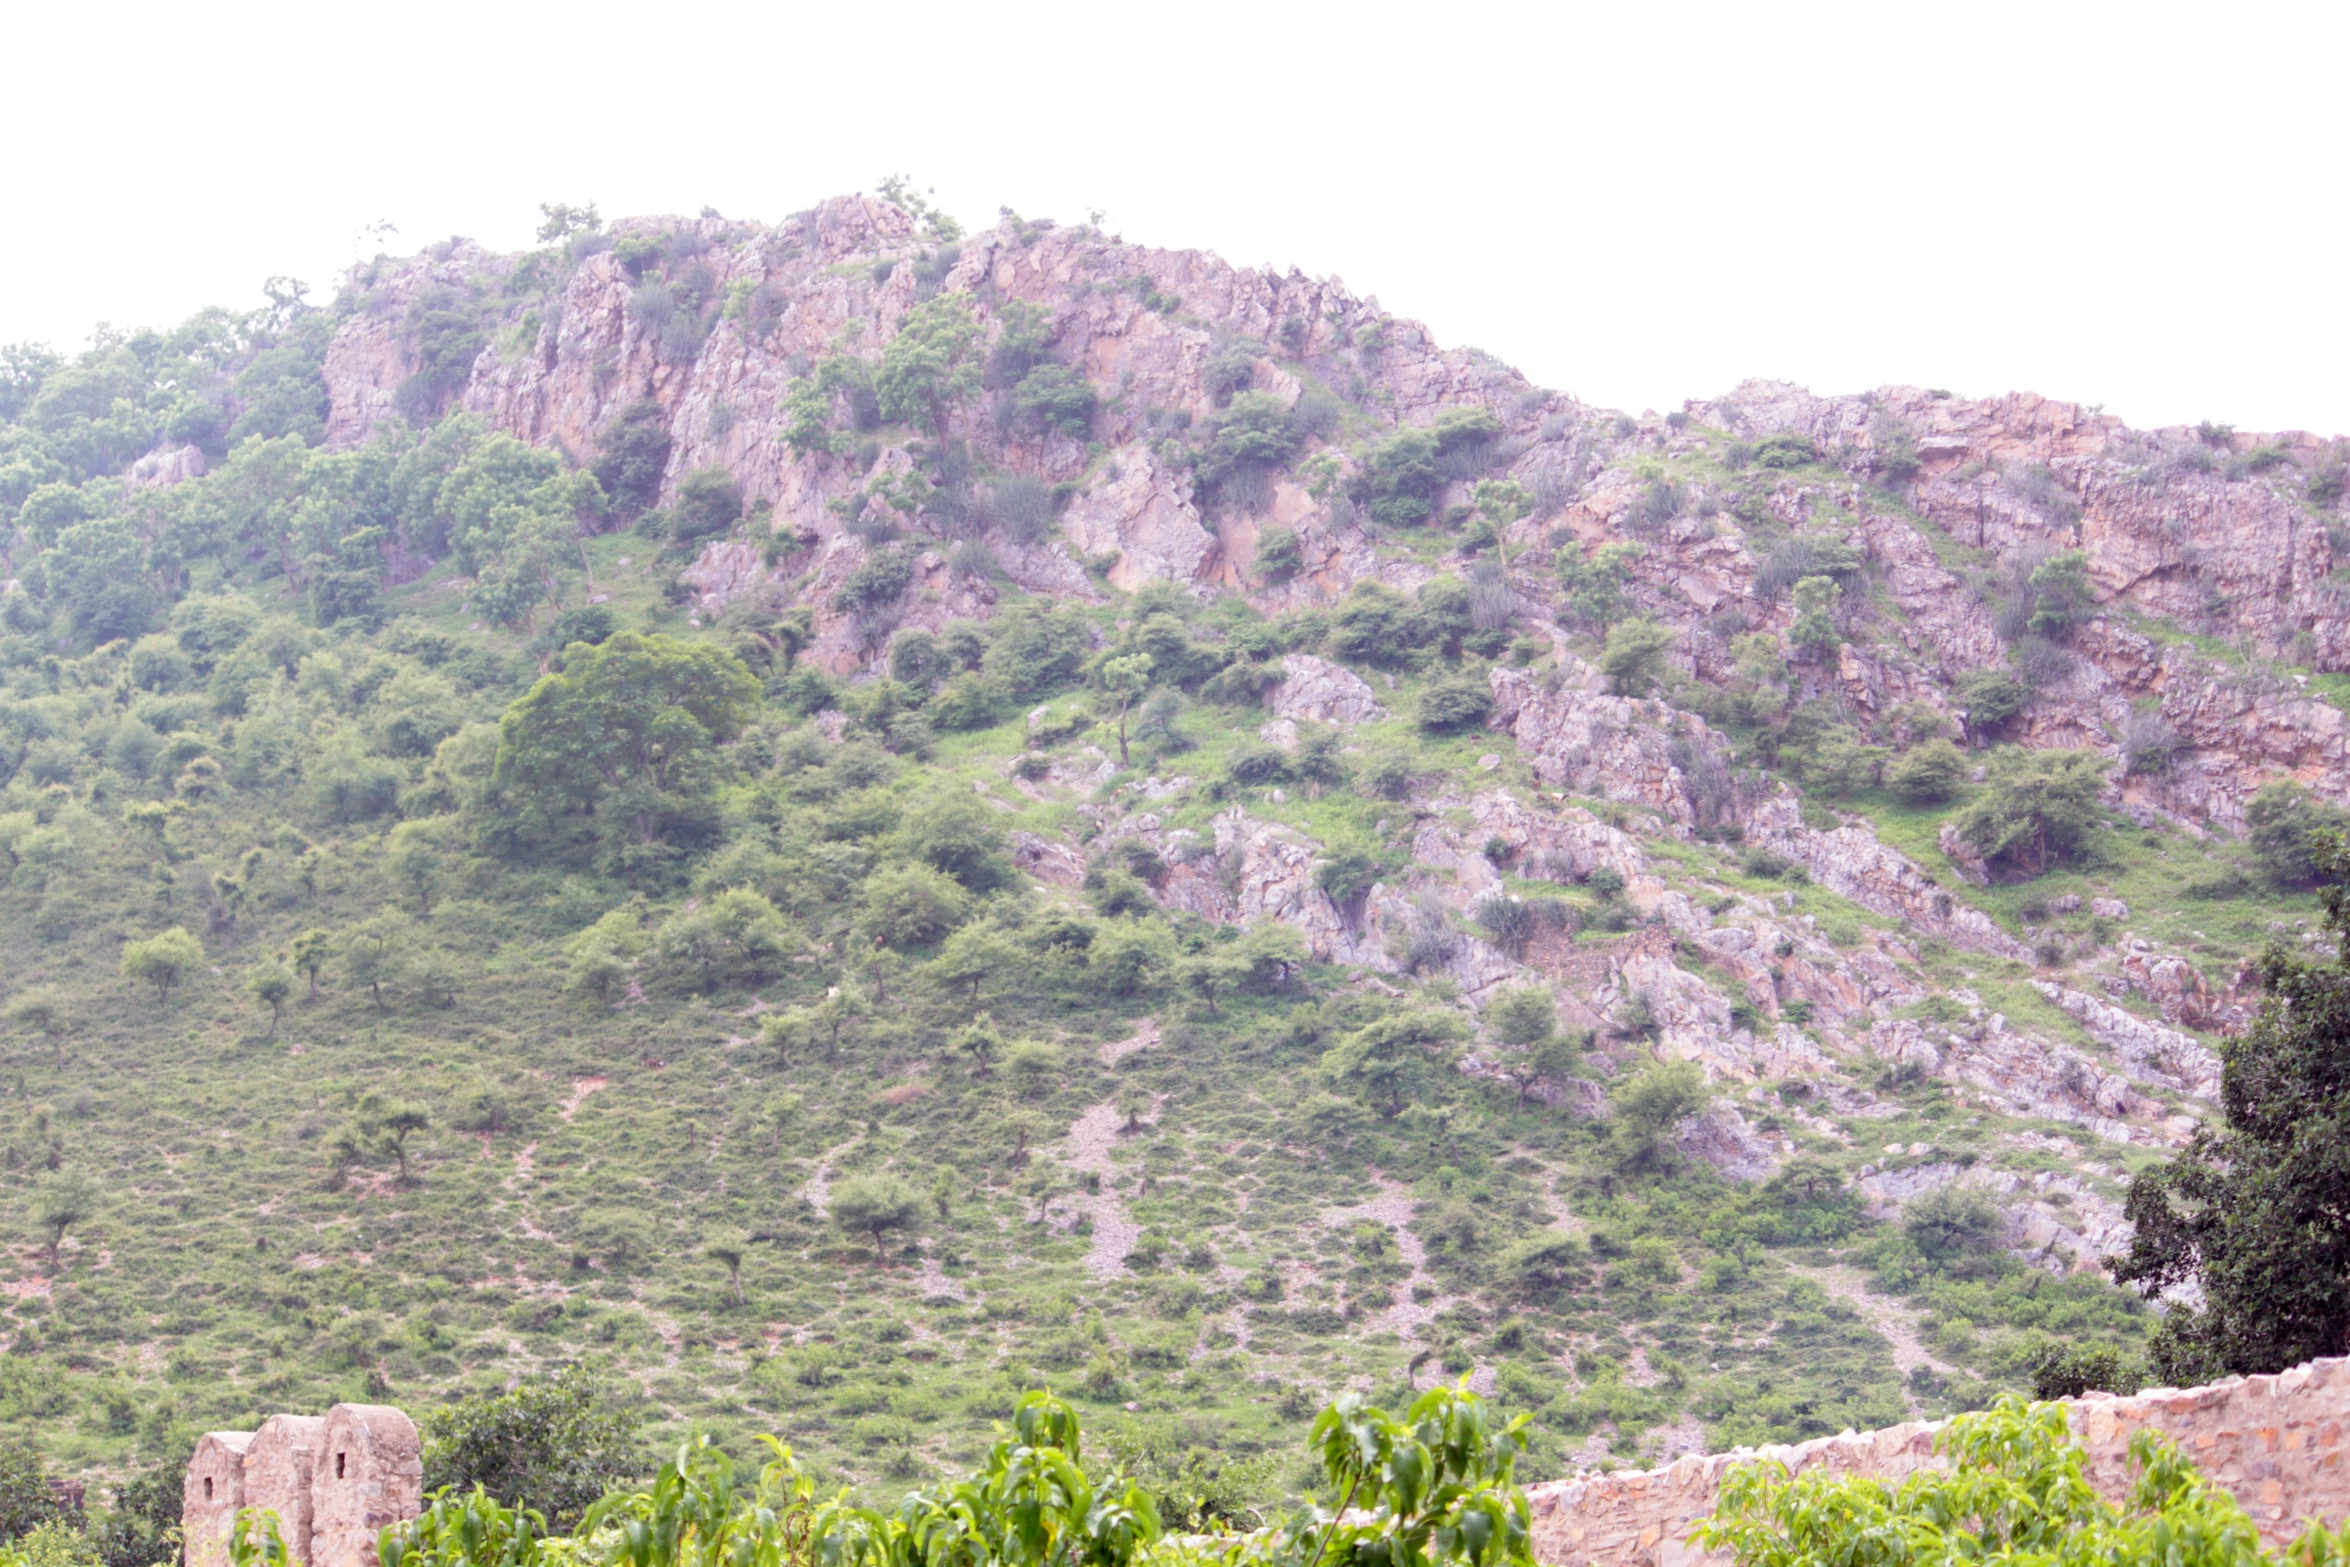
point(333, 1480)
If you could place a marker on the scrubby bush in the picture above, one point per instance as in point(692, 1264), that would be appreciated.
point(1928, 773)
point(881, 579)
point(1990, 698)
point(2037, 811)
point(1785, 449)
point(1634, 660)
point(2288, 829)
point(1455, 702)
point(709, 502)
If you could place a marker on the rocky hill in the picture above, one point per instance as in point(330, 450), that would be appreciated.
point(1242, 606)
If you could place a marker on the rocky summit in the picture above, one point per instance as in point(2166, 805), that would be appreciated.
point(828, 822)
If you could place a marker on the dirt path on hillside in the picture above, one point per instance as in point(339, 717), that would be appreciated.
point(1894, 1321)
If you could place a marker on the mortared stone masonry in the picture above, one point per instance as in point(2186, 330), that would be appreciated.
point(2278, 1444)
point(333, 1481)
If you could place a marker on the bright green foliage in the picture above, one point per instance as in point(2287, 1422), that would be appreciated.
point(1955, 1227)
point(162, 960)
point(699, 1513)
point(1991, 697)
point(928, 367)
point(1651, 1105)
point(1786, 449)
point(1594, 584)
point(272, 985)
point(1634, 660)
point(2289, 831)
point(26, 1502)
point(1525, 1018)
point(63, 1202)
point(625, 730)
point(1384, 1060)
point(2016, 1491)
point(1816, 599)
point(1124, 680)
point(1502, 502)
point(2254, 1209)
point(1928, 773)
point(2061, 594)
point(1058, 399)
point(1434, 1487)
point(1454, 702)
point(1031, 1502)
point(709, 503)
point(911, 906)
point(2037, 811)
point(874, 1205)
point(736, 935)
point(549, 1446)
point(51, 1544)
point(464, 1531)
point(1255, 431)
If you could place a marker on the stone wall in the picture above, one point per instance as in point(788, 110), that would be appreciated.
point(370, 1473)
point(2275, 1442)
point(333, 1481)
point(211, 1494)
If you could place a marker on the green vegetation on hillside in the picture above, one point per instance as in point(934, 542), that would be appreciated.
point(448, 961)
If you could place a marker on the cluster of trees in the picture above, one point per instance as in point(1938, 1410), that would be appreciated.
point(2256, 1211)
point(1433, 1487)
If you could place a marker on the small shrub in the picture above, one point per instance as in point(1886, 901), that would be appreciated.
point(881, 579)
point(1929, 773)
point(1786, 449)
point(1455, 702)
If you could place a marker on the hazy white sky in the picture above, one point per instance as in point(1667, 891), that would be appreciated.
point(2136, 205)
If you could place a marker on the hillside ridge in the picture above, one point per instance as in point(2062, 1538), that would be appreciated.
point(837, 819)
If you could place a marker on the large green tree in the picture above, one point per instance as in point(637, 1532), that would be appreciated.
point(549, 1444)
point(626, 729)
point(2038, 810)
point(1383, 1059)
point(929, 366)
point(2256, 1210)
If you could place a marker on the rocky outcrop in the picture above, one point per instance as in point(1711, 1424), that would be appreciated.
point(1854, 863)
point(2160, 1056)
point(1144, 518)
point(1315, 690)
point(1722, 1138)
point(2052, 1216)
point(169, 465)
point(2021, 1074)
point(1575, 737)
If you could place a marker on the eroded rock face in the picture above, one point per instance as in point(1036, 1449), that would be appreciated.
point(1145, 518)
point(169, 465)
point(2163, 1057)
point(1722, 1138)
point(2053, 1218)
point(1577, 738)
point(1315, 690)
point(1854, 863)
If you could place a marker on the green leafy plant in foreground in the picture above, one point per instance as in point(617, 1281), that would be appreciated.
point(1432, 1488)
point(2015, 1490)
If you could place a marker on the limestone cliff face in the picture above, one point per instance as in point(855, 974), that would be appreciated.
point(2207, 532)
point(2208, 557)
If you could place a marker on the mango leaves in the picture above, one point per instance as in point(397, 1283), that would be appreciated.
point(1434, 1487)
point(1030, 1503)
